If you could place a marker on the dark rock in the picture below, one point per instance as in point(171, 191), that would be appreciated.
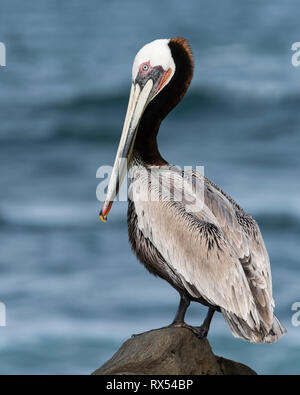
point(169, 351)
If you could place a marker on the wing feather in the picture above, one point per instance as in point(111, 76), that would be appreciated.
point(217, 249)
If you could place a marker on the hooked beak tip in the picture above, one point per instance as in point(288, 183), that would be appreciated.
point(103, 218)
point(104, 212)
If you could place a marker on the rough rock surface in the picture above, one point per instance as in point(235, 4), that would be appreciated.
point(169, 351)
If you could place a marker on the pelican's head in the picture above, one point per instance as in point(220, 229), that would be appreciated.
point(153, 65)
point(153, 69)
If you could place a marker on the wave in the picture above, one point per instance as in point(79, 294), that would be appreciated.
point(99, 116)
point(57, 215)
point(279, 221)
point(201, 98)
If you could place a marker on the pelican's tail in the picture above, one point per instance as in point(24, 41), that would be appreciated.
point(240, 328)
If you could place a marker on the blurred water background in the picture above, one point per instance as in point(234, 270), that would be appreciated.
point(73, 289)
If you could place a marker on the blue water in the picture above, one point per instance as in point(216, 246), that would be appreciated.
point(73, 289)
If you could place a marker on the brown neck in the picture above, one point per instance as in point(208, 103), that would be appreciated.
point(145, 145)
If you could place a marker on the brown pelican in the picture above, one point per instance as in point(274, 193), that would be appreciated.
point(214, 254)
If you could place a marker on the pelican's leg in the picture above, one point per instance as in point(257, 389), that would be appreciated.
point(202, 331)
point(182, 308)
point(179, 317)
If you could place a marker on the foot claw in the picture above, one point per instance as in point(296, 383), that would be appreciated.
point(199, 331)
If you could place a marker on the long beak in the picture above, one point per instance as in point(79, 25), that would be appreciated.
point(138, 101)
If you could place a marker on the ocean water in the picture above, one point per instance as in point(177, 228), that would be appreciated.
point(71, 285)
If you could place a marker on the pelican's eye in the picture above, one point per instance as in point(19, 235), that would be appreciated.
point(145, 67)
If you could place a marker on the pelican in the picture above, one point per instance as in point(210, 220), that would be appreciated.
point(213, 254)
